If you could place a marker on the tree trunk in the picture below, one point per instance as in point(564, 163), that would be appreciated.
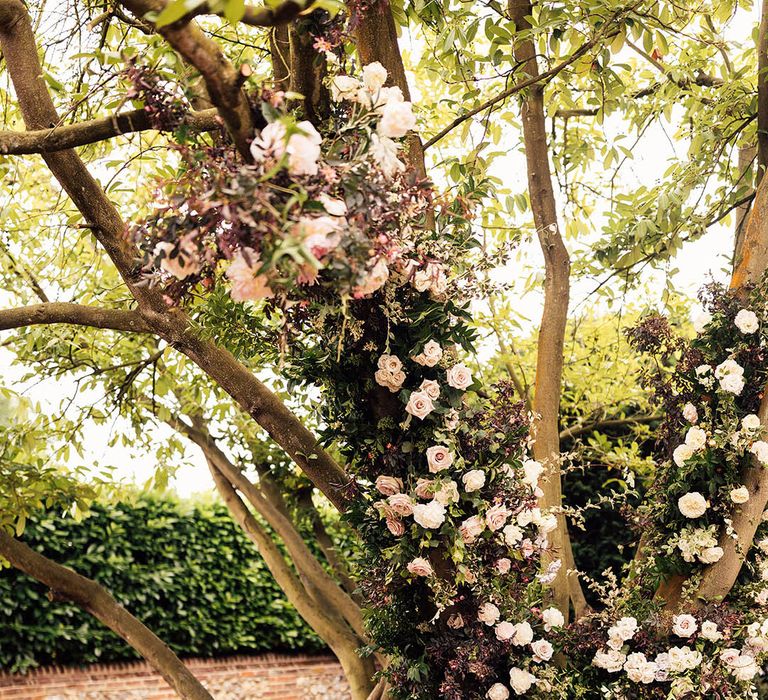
point(549, 360)
point(376, 38)
point(95, 600)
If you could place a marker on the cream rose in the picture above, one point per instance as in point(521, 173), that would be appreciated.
point(459, 377)
point(374, 279)
point(701, 321)
point(682, 454)
point(532, 470)
point(690, 413)
point(542, 650)
point(447, 493)
point(512, 534)
point(684, 625)
point(759, 448)
point(740, 495)
point(710, 632)
point(696, 438)
point(430, 354)
point(419, 405)
point(497, 692)
point(489, 614)
point(504, 631)
point(431, 387)
point(692, 505)
point(523, 634)
point(710, 555)
point(344, 87)
point(388, 485)
point(401, 503)
point(503, 565)
point(471, 528)
point(496, 516)
point(374, 76)
point(429, 515)
point(397, 119)
point(552, 618)
point(473, 480)
point(520, 680)
point(420, 567)
point(439, 457)
point(391, 363)
point(751, 422)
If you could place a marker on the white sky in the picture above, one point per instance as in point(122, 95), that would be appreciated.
point(708, 255)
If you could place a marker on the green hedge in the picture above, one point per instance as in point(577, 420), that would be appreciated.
point(186, 571)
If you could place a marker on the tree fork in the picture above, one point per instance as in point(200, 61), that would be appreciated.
point(95, 600)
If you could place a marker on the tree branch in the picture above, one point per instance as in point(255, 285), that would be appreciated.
point(18, 45)
point(223, 81)
point(67, 136)
point(546, 76)
point(74, 314)
point(94, 599)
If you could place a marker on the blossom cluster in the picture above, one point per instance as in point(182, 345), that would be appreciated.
point(294, 218)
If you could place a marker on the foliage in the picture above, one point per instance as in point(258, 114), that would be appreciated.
point(185, 570)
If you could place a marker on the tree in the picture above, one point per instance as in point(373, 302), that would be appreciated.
point(289, 236)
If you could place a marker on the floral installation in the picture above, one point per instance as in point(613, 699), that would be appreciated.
point(361, 271)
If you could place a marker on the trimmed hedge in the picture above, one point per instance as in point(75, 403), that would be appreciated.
point(187, 572)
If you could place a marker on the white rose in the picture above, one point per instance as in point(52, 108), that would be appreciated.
point(397, 119)
point(523, 634)
point(740, 495)
point(701, 321)
point(429, 515)
point(496, 516)
point(624, 629)
point(744, 668)
point(497, 692)
point(459, 376)
point(520, 680)
point(759, 448)
point(710, 632)
point(684, 625)
point(374, 76)
point(682, 454)
point(710, 555)
point(729, 656)
point(471, 528)
point(552, 618)
point(547, 523)
point(751, 422)
point(728, 367)
point(732, 383)
point(420, 567)
point(473, 480)
point(439, 457)
point(419, 405)
point(388, 485)
point(696, 438)
point(489, 614)
point(692, 505)
point(503, 565)
point(542, 650)
point(344, 87)
point(690, 413)
point(512, 534)
point(384, 152)
point(431, 387)
point(746, 321)
point(504, 631)
point(532, 471)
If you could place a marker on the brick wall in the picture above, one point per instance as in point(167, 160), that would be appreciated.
point(264, 677)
